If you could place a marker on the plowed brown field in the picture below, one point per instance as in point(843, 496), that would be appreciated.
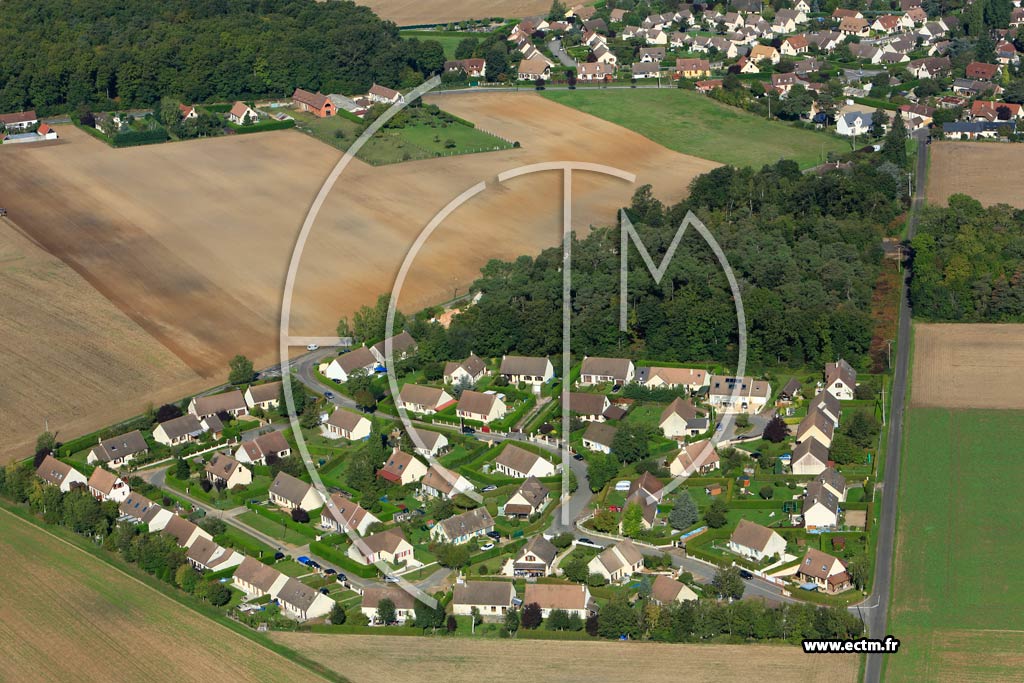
point(990, 172)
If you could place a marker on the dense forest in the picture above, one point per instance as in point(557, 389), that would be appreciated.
point(969, 263)
point(806, 250)
point(58, 54)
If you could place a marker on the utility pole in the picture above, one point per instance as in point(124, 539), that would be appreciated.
point(883, 400)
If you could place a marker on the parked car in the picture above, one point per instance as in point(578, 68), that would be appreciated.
point(341, 578)
point(330, 570)
point(495, 535)
point(468, 430)
point(312, 347)
point(336, 380)
point(328, 395)
point(278, 556)
point(577, 456)
point(746, 574)
point(490, 487)
point(324, 591)
point(587, 542)
point(487, 546)
point(390, 579)
point(302, 559)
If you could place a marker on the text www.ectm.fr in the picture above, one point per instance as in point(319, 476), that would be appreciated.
point(887, 645)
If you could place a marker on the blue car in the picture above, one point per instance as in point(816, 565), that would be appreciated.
point(302, 559)
point(328, 395)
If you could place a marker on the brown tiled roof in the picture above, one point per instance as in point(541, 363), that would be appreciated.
point(751, 535)
point(403, 341)
point(220, 403)
point(416, 394)
point(102, 480)
point(476, 402)
point(345, 420)
point(270, 391)
point(401, 599)
point(541, 547)
point(666, 590)
point(468, 522)
point(587, 404)
point(315, 100)
point(524, 365)
point(441, 479)
point(356, 359)
point(681, 407)
point(222, 465)
point(297, 594)
point(484, 593)
point(18, 117)
point(53, 471)
point(600, 433)
point(810, 448)
point(817, 493)
point(288, 487)
point(612, 367)
point(180, 426)
point(832, 477)
point(397, 463)
point(385, 541)
point(555, 596)
point(180, 528)
point(254, 572)
point(351, 512)
point(815, 418)
point(121, 446)
point(517, 458)
point(697, 454)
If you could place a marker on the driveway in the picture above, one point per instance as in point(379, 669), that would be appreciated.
point(560, 54)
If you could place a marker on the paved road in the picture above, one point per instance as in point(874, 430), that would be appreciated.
point(875, 611)
point(559, 52)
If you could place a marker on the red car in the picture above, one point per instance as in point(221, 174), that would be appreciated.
point(615, 508)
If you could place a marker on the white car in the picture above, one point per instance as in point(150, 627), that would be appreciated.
point(487, 546)
point(312, 347)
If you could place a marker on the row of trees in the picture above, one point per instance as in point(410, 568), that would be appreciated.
point(57, 55)
point(77, 511)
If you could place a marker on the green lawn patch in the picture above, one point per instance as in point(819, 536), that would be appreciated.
point(697, 125)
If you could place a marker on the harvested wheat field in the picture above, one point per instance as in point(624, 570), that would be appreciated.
point(966, 167)
point(420, 13)
point(67, 354)
point(382, 659)
point(102, 624)
point(192, 240)
point(968, 366)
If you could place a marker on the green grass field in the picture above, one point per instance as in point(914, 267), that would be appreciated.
point(957, 604)
point(693, 124)
point(449, 39)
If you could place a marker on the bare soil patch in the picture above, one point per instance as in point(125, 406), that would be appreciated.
point(68, 616)
point(68, 355)
point(382, 659)
point(968, 366)
point(191, 240)
point(967, 168)
point(419, 13)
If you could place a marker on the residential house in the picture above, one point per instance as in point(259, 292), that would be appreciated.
point(672, 378)
point(597, 370)
point(841, 380)
point(784, 82)
point(791, 391)
point(667, 591)
point(22, 120)
point(404, 602)
point(317, 104)
point(423, 399)
point(981, 71)
point(356, 360)
point(184, 532)
point(828, 573)
point(853, 26)
point(119, 450)
point(527, 369)
point(867, 52)
point(595, 71)
point(529, 499)
point(654, 55)
point(104, 485)
point(343, 515)
point(820, 508)
point(929, 67)
point(536, 559)
point(764, 52)
point(490, 598)
point(469, 371)
point(302, 602)
point(242, 114)
point(645, 70)
point(473, 68)
point(841, 13)
point(185, 429)
point(617, 563)
point(224, 468)
point(533, 69)
point(402, 469)
point(985, 110)
point(427, 443)
point(589, 407)
point(441, 482)
point(827, 404)
point(794, 45)
point(645, 492)
point(206, 555)
point(833, 482)
point(603, 55)
point(482, 407)
point(265, 396)
point(572, 598)
point(138, 509)
point(853, 123)
point(383, 95)
point(344, 424)
point(756, 542)
point(229, 402)
point(692, 68)
point(515, 461)
point(809, 457)
point(886, 23)
point(598, 437)
point(802, 6)
point(355, 107)
point(656, 36)
point(463, 527)
point(699, 457)
point(256, 451)
point(256, 579)
point(1006, 53)
point(386, 546)
point(682, 419)
point(617, 15)
point(290, 493)
point(971, 88)
point(817, 426)
point(738, 394)
point(402, 346)
point(60, 474)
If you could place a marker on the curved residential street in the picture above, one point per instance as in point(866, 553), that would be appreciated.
point(559, 52)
